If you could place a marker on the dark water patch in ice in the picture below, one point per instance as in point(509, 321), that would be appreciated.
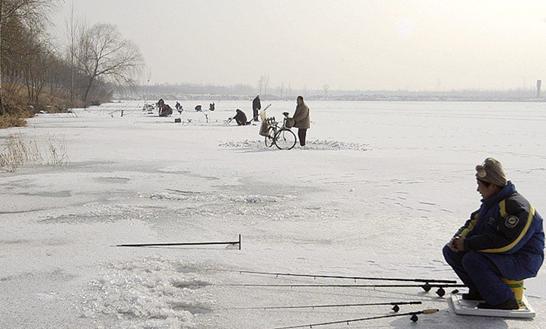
point(113, 180)
point(190, 268)
point(191, 284)
point(170, 196)
point(75, 219)
point(59, 194)
point(428, 203)
point(183, 191)
point(24, 211)
point(187, 173)
point(53, 207)
point(189, 307)
point(47, 242)
point(174, 172)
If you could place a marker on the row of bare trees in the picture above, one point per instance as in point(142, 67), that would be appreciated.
point(37, 73)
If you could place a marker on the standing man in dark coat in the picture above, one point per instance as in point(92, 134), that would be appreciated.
point(302, 120)
point(256, 106)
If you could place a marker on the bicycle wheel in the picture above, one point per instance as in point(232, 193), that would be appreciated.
point(285, 139)
point(269, 139)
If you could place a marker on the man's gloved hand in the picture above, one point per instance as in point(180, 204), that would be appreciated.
point(458, 243)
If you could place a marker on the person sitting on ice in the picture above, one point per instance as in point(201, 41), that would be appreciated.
point(502, 242)
point(165, 110)
point(240, 118)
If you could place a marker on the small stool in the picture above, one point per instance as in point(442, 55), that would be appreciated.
point(517, 288)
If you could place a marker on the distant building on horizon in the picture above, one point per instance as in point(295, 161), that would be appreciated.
point(539, 85)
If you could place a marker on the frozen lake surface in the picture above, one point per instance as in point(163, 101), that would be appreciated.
point(380, 188)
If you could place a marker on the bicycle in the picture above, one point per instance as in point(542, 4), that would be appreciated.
point(282, 136)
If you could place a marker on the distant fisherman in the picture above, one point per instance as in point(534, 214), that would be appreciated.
point(302, 120)
point(240, 118)
point(500, 245)
point(256, 106)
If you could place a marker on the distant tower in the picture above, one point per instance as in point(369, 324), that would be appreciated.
point(539, 84)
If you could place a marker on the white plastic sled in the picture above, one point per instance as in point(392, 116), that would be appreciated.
point(469, 307)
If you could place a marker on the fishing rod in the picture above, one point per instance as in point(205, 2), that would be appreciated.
point(426, 287)
point(413, 318)
point(277, 274)
point(395, 306)
point(182, 244)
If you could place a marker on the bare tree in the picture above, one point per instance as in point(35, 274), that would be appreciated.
point(35, 58)
point(22, 10)
point(36, 73)
point(72, 39)
point(102, 54)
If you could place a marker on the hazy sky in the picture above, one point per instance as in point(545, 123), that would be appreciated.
point(346, 44)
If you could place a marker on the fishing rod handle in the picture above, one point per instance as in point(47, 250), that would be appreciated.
point(430, 311)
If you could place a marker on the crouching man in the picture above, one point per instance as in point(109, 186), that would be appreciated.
point(502, 242)
point(240, 118)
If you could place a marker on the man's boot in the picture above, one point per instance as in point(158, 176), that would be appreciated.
point(510, 304)
point(472, 295)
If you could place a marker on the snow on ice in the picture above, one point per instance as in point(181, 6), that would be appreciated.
point(378, 191)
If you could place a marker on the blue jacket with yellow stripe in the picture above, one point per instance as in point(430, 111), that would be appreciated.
point(509, 231)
